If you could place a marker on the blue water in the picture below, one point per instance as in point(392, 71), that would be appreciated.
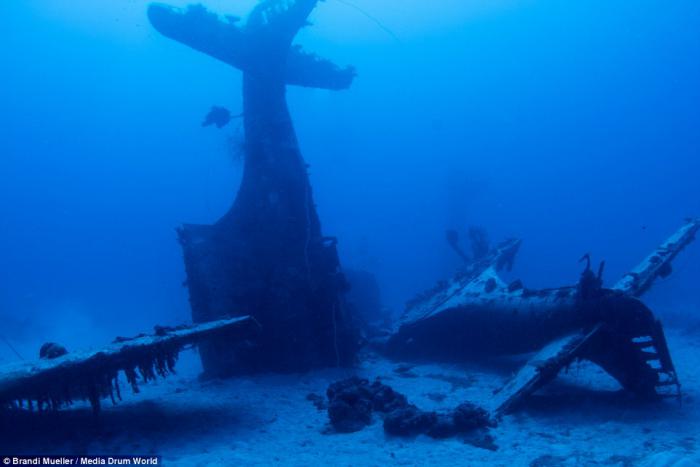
point(573, 125)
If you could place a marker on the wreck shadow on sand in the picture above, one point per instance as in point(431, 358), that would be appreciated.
point(594, 405)
point(135, 428)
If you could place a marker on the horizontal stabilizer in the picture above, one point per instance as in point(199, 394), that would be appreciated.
point(223, 39)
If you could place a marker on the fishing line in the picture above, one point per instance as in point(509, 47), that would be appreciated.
point(11, 347)
point(365, 13)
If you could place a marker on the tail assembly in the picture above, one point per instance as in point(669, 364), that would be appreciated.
point(224, 39)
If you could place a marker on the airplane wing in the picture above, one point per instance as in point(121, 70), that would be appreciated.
point(642, 364)
point(93, 375)
point(542, 368)
point(474, 276)
point(658, 263)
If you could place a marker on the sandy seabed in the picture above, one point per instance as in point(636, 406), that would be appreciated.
point(581, 419)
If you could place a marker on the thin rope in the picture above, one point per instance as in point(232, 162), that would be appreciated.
point(11, 347)
point(366, 14)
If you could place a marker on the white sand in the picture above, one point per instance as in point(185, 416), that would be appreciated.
point(267, 420)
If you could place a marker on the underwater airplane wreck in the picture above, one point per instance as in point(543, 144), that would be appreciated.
point(265, 261)
point(267, 256)
point(265, 273)
point(474, 314)
point(477, 314)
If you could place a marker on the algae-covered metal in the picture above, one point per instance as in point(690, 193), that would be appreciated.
point(93, 375)
point(477, 314)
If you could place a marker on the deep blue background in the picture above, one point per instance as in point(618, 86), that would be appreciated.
point(571, 124)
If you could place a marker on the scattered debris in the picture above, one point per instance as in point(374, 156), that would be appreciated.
point(481, 439)
point(352, 401)
point(410, 421)
point(405, 371)
point(318, 400)
point(455, 381)
point(51, 350)
point(436, 396)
